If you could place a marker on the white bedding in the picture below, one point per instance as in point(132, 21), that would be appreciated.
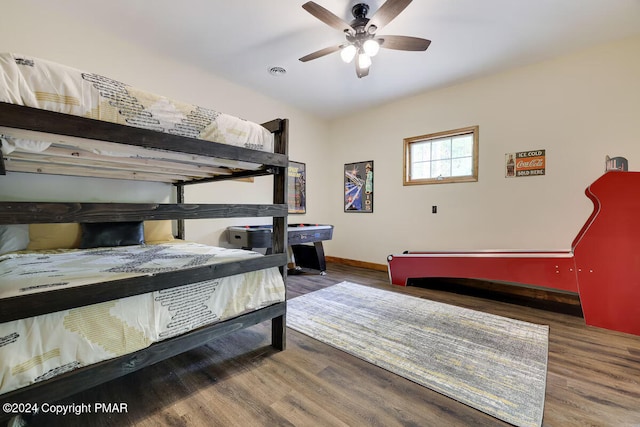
point(43, 84)
point(41, 347)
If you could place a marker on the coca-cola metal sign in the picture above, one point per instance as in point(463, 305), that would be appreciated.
point(525, 163)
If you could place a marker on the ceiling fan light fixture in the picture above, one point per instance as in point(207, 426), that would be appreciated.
point(364, 61)
point(362, 40)
point(371, 47)
point(348, 53)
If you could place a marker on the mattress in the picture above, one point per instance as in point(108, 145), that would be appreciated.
point(41, 347)
point(46, 85)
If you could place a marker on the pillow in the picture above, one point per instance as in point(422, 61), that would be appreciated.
point(13, 238)
point(105, 234)
point(158, 231)
point(54, 236)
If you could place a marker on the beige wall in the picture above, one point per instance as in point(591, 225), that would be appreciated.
point(578, 108)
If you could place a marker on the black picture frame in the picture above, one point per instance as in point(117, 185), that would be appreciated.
point(358, 187)
point(296, 188)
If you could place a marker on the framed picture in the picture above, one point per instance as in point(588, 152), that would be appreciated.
point(358, 187)
point(296, 188)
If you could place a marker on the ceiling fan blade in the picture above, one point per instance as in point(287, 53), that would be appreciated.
point(325, 16)
point(387, 12)
point(322, 52)
point(403, 43)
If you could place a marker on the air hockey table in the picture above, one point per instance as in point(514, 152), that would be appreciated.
point(298, 236)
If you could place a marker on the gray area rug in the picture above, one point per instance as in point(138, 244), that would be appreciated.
point(491, 363)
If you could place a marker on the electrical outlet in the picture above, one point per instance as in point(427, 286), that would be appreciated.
point(434, 209)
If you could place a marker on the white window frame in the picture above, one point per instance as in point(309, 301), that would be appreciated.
point(408, 163)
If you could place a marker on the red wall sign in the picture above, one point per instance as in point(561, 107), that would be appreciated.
point(525, 163)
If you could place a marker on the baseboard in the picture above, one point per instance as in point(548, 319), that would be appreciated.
point(356, 263)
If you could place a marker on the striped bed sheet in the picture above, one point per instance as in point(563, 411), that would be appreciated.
point(40, 347)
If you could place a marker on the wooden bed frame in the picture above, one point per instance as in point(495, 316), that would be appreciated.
point(62, 126)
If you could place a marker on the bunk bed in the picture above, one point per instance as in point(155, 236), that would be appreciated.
point(88, 125)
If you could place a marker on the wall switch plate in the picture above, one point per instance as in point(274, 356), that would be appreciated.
point(434, 209)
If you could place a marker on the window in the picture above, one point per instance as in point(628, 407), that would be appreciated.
point(450, 156)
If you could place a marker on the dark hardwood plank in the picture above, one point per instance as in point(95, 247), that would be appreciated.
point(57, 212)
point(33, 119)
point(22, 306)
point(241, 380)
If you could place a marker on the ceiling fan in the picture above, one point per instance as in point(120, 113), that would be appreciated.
point(362, 40)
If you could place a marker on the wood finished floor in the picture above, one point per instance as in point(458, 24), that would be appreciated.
point(593, 378)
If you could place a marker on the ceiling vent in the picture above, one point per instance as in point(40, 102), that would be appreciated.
point(277, 71)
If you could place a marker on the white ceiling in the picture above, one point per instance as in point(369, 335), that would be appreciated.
point(240, 40)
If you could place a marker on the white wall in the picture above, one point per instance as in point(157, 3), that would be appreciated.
point(43, 33)
point(578, 108)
